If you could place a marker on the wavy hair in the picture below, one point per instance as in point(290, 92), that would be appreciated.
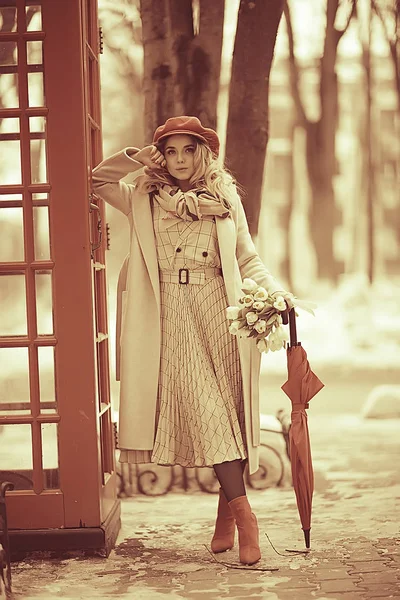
point(209, 173)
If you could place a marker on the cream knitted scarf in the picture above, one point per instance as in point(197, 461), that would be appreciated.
point(191, 205)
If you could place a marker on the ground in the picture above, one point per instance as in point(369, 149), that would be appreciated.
point(162, 548)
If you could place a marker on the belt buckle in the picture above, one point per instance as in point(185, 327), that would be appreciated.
point(185, 279)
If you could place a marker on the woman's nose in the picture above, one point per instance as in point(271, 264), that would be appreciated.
point(181, 157)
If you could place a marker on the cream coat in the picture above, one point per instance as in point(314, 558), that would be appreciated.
point(139, 306)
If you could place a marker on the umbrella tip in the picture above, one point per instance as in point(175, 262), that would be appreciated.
point(307, 537)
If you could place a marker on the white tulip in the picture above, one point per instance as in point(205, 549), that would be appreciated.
point(280, 303)
point(261, 326)
point(263, 345)
point(232, 312)
point(281, 334)
point(251, 318)
point(248, 300)
point(249, 285)
point(274, 341)
point(258, 305)
point(234, 327)
point(261, 294)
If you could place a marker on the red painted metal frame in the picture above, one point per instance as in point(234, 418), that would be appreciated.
point(87, 494)
point(94, 156)
point(29, 266)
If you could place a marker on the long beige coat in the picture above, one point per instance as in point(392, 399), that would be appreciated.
point(140, 338)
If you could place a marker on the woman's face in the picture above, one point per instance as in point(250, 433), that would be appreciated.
point(179, 155)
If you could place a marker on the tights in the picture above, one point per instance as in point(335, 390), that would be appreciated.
point(230, 477)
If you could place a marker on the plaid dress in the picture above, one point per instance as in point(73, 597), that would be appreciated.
point(200, 411)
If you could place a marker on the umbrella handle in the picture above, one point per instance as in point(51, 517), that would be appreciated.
point(293, 329)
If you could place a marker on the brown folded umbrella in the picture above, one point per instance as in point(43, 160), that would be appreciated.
point(301, 386)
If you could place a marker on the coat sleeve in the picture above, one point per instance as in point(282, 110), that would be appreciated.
point(250, 264)
point(107, 175)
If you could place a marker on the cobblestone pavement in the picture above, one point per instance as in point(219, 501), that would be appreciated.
point(161, 551)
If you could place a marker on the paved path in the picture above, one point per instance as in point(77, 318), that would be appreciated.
point(355, 551)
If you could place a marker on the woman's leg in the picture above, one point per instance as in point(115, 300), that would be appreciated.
point(230, 476)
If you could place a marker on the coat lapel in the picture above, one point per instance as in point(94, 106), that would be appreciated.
point(143, 223)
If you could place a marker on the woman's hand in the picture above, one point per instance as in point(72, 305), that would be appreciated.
point(287, 296)
point(150, 157)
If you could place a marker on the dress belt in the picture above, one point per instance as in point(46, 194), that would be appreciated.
point(185, 276)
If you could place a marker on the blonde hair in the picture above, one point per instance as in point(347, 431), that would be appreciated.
point(209, 173)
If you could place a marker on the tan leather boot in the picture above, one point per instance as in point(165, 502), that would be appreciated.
point(224, 535)
point(246, 522)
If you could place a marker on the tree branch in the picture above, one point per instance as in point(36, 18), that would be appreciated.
point(294, 70)
point(380, 16)
point(352, 13)
point(393, 43)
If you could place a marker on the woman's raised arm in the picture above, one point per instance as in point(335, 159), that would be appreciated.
point(107, 179)
point(108, 174)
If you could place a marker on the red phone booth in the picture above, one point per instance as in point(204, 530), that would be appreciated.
point(56, 431)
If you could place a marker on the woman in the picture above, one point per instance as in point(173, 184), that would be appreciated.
point(189, 389)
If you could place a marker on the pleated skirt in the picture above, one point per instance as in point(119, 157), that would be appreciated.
point(200, 411)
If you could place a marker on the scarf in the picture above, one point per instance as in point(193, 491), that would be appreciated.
point(191, 205)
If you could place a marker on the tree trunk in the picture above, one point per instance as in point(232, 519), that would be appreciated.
point(247, 130)
point(180, 15)
point(321, 146)
point(205, 63)
point(394, 45)
point(181, 66)
point(396, 57)
point(197, 57)
point(367, 142)
point(393, 40)
point(158, 72)
point(322, 164)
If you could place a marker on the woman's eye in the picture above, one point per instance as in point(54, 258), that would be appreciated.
point(170, 152)
point(190, 150)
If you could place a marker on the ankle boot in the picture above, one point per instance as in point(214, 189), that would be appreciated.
point(224, 535)
point(246, 522)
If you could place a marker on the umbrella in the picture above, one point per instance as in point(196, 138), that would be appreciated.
point(301, 386)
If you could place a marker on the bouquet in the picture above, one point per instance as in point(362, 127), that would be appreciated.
point(258, 316)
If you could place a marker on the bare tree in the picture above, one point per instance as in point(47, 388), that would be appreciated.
point(158, 73)
point(321, 133)
point(248, 127)
point(197, 34)
point(389, 15)
point(182, 43)
point(364, 15)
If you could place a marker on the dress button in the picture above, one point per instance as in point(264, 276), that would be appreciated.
point(205, 253)
point(178, 250)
